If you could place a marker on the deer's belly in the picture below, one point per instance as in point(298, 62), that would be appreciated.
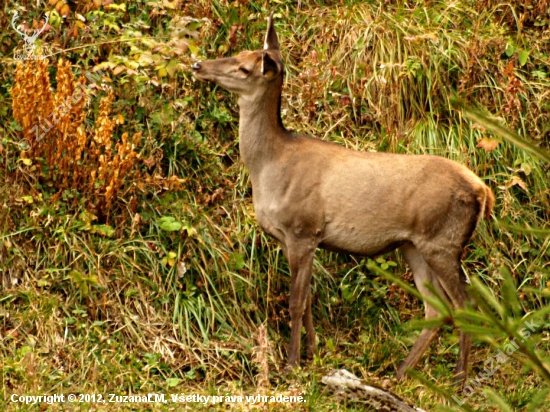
point(361, 238)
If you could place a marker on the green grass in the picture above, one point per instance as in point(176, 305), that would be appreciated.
point(145, 309)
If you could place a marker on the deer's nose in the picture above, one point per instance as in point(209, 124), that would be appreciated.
point(196, 67)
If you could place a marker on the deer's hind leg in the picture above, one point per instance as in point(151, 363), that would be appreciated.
point(423, 274)
point(446, 265)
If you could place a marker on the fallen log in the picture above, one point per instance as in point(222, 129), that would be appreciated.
point(346, 385)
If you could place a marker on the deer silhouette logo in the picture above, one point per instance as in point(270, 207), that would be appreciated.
point(29, 39)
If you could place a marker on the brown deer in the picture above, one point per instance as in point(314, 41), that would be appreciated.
point(308, 193)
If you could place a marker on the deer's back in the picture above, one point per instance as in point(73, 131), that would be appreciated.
point(359, 201)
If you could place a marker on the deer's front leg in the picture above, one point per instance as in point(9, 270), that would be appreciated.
point(300, 259)
point(311, 342)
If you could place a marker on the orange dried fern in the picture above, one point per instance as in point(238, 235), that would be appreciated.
point(53, 125)
point(114, 163)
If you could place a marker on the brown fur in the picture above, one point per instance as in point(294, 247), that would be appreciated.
point(308, 194)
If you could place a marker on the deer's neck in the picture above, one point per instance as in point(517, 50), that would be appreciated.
point(261, 132)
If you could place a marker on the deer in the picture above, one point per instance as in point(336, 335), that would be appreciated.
point(309, 193)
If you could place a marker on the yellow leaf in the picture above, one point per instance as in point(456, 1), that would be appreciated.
point(488, 144)
point(526, 167)
point(104, 65)
point(171, 67)
point(516, 180)
point(65, 11)
point(118, 70)
point(145, 58)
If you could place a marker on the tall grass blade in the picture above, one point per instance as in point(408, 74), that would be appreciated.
point(500, 130)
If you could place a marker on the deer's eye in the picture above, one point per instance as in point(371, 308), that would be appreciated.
point(244, 70)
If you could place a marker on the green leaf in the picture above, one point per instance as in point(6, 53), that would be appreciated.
point(233, 15)
point(171, 67)
point(221, 115)
point(527, 168)
point(169, 224)
point(163, 116)
point(523, 57)
point(112, 25)
point(346, 293)
point(104, 230)
point(194, 25)
point(43, 283)
point(390, 276)
point(191, 231)
point(509, 291)
point(172, 382)
point(237, 261)
point(191, 375)
point(24, 350)
point(510, 50)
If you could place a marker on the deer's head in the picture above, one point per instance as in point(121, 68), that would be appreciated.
point(249, 72)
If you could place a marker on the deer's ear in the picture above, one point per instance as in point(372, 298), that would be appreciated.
point(270, 68)
point(271, 41)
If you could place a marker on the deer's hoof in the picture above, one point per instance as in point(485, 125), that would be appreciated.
point(400, 372)
point(289, 368)
point(459, 380)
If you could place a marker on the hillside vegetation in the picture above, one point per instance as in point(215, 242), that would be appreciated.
point(130, 258)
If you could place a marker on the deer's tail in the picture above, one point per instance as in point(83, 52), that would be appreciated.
point(489, 202)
